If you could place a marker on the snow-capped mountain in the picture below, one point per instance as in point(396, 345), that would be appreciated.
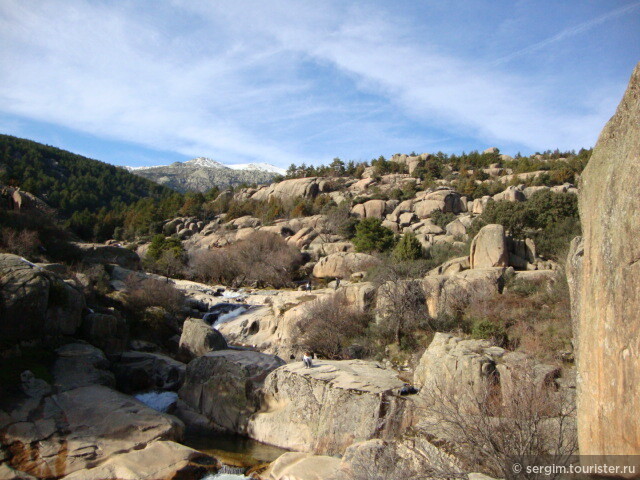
point(205, 162)
point(202, 173)
point(265, 167)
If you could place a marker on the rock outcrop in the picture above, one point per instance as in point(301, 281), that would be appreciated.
point(107, 332)
point(370, 209)
point(326, 408)
point(225, 385)
point(198, 338)
point(139, 371)
point(450, 361)
point(163, 460)
point(462, 369)
point(105, 254)
point(34, 301)
point(81, 365)
point(448, 293)
point(397, 460)
point(343, 265)
point(54, 436)
point(489, 248)
point(289, 189)
point(302, 466)
point(607, 287)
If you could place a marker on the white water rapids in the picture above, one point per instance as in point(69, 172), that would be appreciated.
point(225, 476)
point(227, 317)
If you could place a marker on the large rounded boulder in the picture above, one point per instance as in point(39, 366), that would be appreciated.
point(343, 264)
point(489, 248)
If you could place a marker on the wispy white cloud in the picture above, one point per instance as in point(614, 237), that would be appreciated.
point(280, 81)
point(566, 33)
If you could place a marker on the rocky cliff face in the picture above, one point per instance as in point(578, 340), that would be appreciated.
point(608, 287)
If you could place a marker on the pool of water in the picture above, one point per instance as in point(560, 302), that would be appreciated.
point(234, 450)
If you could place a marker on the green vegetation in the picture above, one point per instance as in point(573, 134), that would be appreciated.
point(408, 248)
point(161, 245)
point(488, 330)
point(533, 317)
point(371, 236)
point(442, 219)
point(93, 198)
point(551, 219)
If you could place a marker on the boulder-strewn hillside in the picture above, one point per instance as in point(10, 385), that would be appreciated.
point(203, 174)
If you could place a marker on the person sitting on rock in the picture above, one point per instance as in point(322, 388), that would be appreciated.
point(307, 359)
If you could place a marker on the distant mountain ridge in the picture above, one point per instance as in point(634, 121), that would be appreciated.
point(201, 174)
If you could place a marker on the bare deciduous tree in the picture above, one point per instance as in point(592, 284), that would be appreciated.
point(263, 259)
point(330, 325)
point(492, 429)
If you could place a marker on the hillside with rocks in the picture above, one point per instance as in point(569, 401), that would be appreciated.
point(448, 332)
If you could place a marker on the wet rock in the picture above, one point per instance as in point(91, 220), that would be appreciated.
point(80, 428)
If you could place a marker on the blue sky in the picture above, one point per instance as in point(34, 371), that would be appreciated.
point(150, 82)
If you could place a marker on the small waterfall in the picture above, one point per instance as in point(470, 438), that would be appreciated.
point(228, 469)
point(228, 473)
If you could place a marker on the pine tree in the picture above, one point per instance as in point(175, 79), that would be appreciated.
point(408, 248)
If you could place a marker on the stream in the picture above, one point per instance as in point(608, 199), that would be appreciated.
point(235, 452)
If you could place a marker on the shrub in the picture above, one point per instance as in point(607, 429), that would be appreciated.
point(371, 236)
point(401, 311)
point(441, 218)
point(330, 325)
point(535, 319)
point(494, 429)
point(408, 248)
point(24, 243)
point(161, 244)
point(143, 293)
point(488, 330)
point(340, 222)
point(263, 259)
point(165, 256)
point(442, 252)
